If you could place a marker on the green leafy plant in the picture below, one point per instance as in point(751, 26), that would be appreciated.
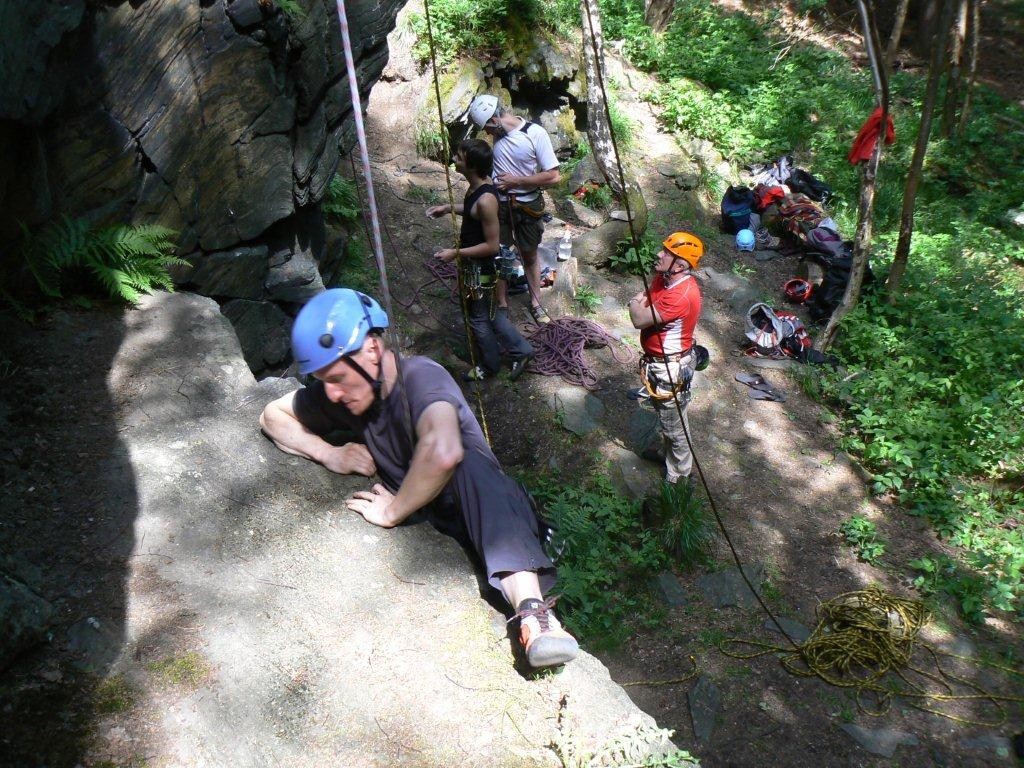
point(341, 203)
point(742, 269)
point(862, 534)
point(625, 258)
point(678, 517)
point(125, 261)
point(587, 300)
point(598, 197)
point(607, 559)
point(941, 574)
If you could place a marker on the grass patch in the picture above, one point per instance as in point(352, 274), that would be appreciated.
point(187, 670)
point(113, 695)
point(586, 300)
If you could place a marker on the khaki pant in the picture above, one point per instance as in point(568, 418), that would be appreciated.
point(662, 377)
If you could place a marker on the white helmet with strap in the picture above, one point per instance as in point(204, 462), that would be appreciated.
point(482, 109)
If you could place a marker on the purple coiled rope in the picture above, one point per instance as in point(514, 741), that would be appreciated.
point(559, 349)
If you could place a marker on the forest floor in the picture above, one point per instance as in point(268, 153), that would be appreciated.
point(775, 470)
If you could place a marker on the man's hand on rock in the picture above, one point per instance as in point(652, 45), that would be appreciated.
point(372, 505)
point(351, 458)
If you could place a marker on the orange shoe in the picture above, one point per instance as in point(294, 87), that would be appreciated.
point(545, 642)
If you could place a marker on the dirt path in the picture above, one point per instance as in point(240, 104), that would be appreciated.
point(780, 482)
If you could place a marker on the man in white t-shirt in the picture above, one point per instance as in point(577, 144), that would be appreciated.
point(524, 163)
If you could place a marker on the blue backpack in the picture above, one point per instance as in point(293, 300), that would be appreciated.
point(737, 205)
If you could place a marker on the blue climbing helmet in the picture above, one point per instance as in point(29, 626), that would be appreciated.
point(745, 240)
point(332, 325)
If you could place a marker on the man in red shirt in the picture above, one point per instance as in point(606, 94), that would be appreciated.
point(666, 317)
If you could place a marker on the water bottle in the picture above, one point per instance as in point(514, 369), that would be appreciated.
point(565, 247)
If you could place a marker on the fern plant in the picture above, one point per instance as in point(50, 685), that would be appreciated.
point(341, 203)
point(126, 261)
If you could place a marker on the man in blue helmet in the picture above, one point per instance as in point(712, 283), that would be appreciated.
point(417, 432)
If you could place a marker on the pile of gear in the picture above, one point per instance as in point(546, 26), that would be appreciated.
point(783, 213)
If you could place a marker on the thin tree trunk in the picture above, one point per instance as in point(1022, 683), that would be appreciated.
point(658, 13)
point(869, 172)
point(973, 35)
point(897, 33)
point(899, 264)
point(599, 129)
point(954, 81)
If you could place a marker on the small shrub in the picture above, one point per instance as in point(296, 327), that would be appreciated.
point(595, 196)
point(678, 517)
point(862, 534)
point(629, 260)
point(587, 300)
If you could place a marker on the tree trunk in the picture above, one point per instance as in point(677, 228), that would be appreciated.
point(897, 33)
point(973, 35)
point(869, 172)
point(954, 81)
point(599, 123)
point(899, 264)
point(658, 13)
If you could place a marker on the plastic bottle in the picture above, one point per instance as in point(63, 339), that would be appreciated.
point(565, 247)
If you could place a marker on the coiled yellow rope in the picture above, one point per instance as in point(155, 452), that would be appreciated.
point(863, 641)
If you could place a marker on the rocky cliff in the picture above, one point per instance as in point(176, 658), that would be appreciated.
point(223, 119)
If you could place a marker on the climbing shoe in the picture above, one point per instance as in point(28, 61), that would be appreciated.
point(544, 641)
point(475, 374)
point(518, 366)
point(539, 314)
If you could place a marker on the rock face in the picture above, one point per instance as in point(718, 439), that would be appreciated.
point(312, 637)
point(221, 119)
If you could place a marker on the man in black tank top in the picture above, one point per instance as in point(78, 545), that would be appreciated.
point(493, 332)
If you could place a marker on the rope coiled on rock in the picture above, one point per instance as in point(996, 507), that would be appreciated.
point(559, 349)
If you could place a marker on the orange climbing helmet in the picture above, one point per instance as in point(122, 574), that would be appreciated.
point(685, 246)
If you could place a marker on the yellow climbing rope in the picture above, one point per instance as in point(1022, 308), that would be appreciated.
point(443, 130)
point(865, 641)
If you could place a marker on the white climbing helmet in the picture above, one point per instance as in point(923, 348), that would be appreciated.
point(482, 109)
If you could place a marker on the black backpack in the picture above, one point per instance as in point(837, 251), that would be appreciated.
point(737, 205)
point(801, 181)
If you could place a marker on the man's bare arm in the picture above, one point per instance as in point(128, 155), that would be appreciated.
point(438, 453)
point(280, 424)
point(539, 180)
point(640, 312)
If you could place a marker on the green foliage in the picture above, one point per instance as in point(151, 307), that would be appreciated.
point(587, 300)
point(621, 124)
point(607, 558)
point(597, 197)
point(341, 203)
point(941, 574)
point(292, 9)
point(938, 414)
point(680, 520)
point(124, 261)
point(642, 747)
point(862, 534)
point(357, 268)
point(625, 259)
point(479, 27)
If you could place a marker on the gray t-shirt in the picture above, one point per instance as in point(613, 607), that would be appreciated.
point(389, 427)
